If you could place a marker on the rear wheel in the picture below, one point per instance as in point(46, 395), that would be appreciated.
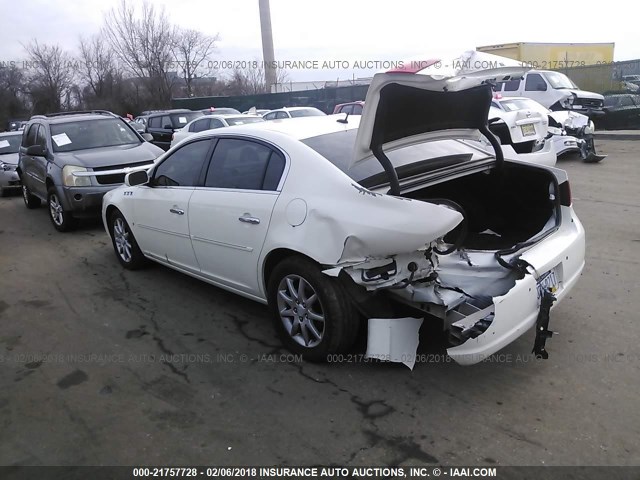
point(311, 312)
point(124, 243)
point(62, 220)
point(30, 201)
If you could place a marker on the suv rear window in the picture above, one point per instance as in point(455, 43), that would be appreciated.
point(86, 134)
point(179, 120)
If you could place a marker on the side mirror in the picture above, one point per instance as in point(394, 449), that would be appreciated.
point(36, 151)
point(136, 178)
point(147, 136)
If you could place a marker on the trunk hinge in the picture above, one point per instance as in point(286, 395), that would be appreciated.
point(542, 325)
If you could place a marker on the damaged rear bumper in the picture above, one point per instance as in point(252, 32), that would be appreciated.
point(516, 311)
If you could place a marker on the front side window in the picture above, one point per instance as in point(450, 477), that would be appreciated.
point(30, 136)
point(535, 83)
point(357, 109)
point(183, 167)
point(243, 164)
point(270, 116)
point(86, 134)
point(154, 122)
point(346, 109)
point(282, 115)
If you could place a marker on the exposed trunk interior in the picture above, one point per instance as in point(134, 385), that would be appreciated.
point(502, 207)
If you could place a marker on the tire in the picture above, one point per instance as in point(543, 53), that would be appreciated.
point(30, 201)
point(61, 219)
point(326, 325)
point(124, 243)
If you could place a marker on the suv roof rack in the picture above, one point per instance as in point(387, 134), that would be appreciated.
point(76, 112)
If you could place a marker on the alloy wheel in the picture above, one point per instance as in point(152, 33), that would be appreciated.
point(301, 311)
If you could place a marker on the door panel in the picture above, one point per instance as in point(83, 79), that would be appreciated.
point(228, 229)
point(161, 224)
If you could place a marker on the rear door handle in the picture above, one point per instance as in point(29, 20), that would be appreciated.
point(252, 220)
point(177, 211)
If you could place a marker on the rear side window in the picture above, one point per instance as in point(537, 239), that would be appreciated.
point(215, 123)
point(511, 85)
point(199, 126)
point(281, 115)
point(626, 102)
point(183, 167)
point(270, 116)
point(154, 122)
point(357, 109)
point(40, 138)
point(535, 83)
point(246, 165)
point(346, 109)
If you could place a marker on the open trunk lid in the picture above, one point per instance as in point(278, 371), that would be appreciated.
point(430, 100)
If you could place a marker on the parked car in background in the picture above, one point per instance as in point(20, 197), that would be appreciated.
point(9, 148)
point(352, 108)
point(70, 160)
point(631, 83)
point(209, 122)
point(162, 125)
point(388, 216)
point(256, 111)
point(15, 125)
point(293, 112)
point(220, 111)
point(568, 131)
point(621, 111)
point(553, 90)
point(522, 133)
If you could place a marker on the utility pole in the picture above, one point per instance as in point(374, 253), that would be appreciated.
point(268, 56)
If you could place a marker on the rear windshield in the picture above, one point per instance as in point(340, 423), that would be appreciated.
point(179, 120)
point(86, 134)
point(306, 112)
point(408, 161)
point(10, 144)
point(243, 120)
point(522, 103)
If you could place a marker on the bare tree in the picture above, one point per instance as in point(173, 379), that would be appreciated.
point(97, 67)
point(13, 104)
point(251, 81)
point(51, 77)
point(190, 50)
point(142, 42)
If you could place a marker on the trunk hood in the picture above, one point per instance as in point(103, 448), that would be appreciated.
point(109, 156)
point(430, 100)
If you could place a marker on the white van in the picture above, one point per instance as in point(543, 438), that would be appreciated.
point(554, 90)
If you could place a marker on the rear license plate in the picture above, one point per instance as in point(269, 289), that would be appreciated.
point(528, 129)
point(548, 282)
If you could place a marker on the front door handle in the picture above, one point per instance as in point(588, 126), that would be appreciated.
point(252, 220)
point(177, 211)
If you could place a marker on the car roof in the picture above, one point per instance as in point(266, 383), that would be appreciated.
point(74, 118)
point(298, 128)
point(291, 109)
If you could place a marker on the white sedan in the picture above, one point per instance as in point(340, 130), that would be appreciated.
point(385, 220)
point(209, 122)
point(293, 112)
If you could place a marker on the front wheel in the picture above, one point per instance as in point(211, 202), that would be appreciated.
point(62, 220)
point(124, 243)
point(311, 312)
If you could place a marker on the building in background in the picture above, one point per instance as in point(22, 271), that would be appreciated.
point(554, 56)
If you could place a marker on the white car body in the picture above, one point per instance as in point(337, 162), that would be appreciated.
point(292, 112)
point(371, 243)
point(210, 122)
point(525, 130)
point(561, 124)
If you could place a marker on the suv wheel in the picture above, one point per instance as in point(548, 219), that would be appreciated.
point(61, 219)
point(311, 312)
point(31, 201)
point(124, 243)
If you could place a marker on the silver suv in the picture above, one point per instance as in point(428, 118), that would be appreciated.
point(70, 160)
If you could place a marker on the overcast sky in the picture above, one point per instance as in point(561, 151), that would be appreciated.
point(343, 30)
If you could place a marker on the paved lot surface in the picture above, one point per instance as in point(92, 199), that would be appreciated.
point(103, 366)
